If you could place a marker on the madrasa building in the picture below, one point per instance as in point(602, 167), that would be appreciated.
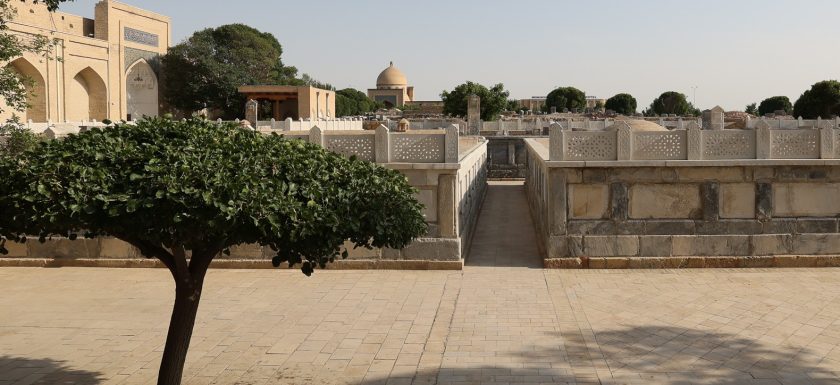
point(101, 68)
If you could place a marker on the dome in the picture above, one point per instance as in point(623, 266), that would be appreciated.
point(391, 77)
point(637, 124)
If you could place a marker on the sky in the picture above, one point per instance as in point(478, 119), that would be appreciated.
point(733, 52)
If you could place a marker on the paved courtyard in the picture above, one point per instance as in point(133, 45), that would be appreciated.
point(502, 320)
point(490, 325)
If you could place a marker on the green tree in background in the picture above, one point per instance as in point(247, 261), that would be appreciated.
point(206, 70)
point(184, 192)
point(350, 101)
point(624, 104)
point(775, 103)
point(672, 102)
point(562, 98)
point(822, 100)
point(494, 100)
point(14, 88)
point(751, 109)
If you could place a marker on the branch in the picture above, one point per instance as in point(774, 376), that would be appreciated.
point(150, 249)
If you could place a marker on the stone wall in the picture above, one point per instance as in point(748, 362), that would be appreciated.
point(507, 157)
point(676, 212)
point(451, 189)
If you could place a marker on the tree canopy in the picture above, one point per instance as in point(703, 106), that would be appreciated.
point(751, 109)
point(562, 98)
point(13, 86)
point(171, 188)
point(775, 103)
point(822, 100)
point(672, 102)
point(206, 70)
point(350, 101)
point(624, 104)
point(493, 100)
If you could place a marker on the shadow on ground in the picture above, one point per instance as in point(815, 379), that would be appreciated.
point(16, 370)
point(643, 355)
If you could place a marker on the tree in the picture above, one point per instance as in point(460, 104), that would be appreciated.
point(513, 105)
point(751, 109)
point(775, 103)
point(624, 104)
point(569, 98)
point(672, 102)
point(13, 87)
point(351, 101)
point(174, 189)
point(206, 70)
point(493, 100)
point(822, 100)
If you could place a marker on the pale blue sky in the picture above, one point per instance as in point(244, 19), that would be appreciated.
point(735, 52)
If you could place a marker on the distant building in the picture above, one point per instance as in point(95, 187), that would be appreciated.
point(296, 102)
point(593, 102)
point(109, 65)
point(392, 88)
point(535, 103)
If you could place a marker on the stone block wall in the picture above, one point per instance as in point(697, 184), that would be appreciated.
point(677, 212)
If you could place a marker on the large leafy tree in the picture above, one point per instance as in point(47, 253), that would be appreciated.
point(183, 192)
point(672, 102)
point(751, 109)
point(350, 101)
point(624, 104)
point(494, 100)
point(206, 70)
point(822, 100)
point(775, 103)
point(562, 98)
point(13, 86)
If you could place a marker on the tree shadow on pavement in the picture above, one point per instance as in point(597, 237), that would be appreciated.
point(17, 370)
point(641, 355)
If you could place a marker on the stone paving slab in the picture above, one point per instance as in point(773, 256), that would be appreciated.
point(485, 325)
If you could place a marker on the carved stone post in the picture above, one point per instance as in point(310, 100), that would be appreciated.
point(382, 145)
point(624, 141)
point(451, 144)
point(694, 136)
point(555, 142)
point(762, 140)
point(316, 137)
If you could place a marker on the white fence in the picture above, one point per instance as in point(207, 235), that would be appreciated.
point(302, 125)
point(820, 142)
point(793, 124)
point(384, 146)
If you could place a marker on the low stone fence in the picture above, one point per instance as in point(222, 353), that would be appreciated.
point(306, 124)
point(686, 213)
point(819, 142)
point(450, 180)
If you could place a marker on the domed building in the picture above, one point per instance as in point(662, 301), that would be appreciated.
point(392, 88)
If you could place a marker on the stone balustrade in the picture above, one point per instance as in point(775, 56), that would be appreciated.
point(729, 198)
point(820, 141)
point(384, 146)
point(306, 124)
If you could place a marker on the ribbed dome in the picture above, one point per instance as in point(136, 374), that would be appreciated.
point(391, 77)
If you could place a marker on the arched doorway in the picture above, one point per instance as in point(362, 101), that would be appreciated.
point(87, 97)
point(141, 91)
point(36, 92)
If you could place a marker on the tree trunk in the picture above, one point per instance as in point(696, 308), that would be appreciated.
point(181, 325)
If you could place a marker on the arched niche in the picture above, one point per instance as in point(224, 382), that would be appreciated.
point(87, 97)
point(141, 90)
point(36, 92)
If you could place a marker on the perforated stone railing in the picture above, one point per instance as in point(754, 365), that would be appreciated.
point(384, 146)
point(819, 142)
point(306, 124)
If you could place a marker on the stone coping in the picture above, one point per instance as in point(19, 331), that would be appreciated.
point(699, 262)
point(356, 264)
point(539, 147)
